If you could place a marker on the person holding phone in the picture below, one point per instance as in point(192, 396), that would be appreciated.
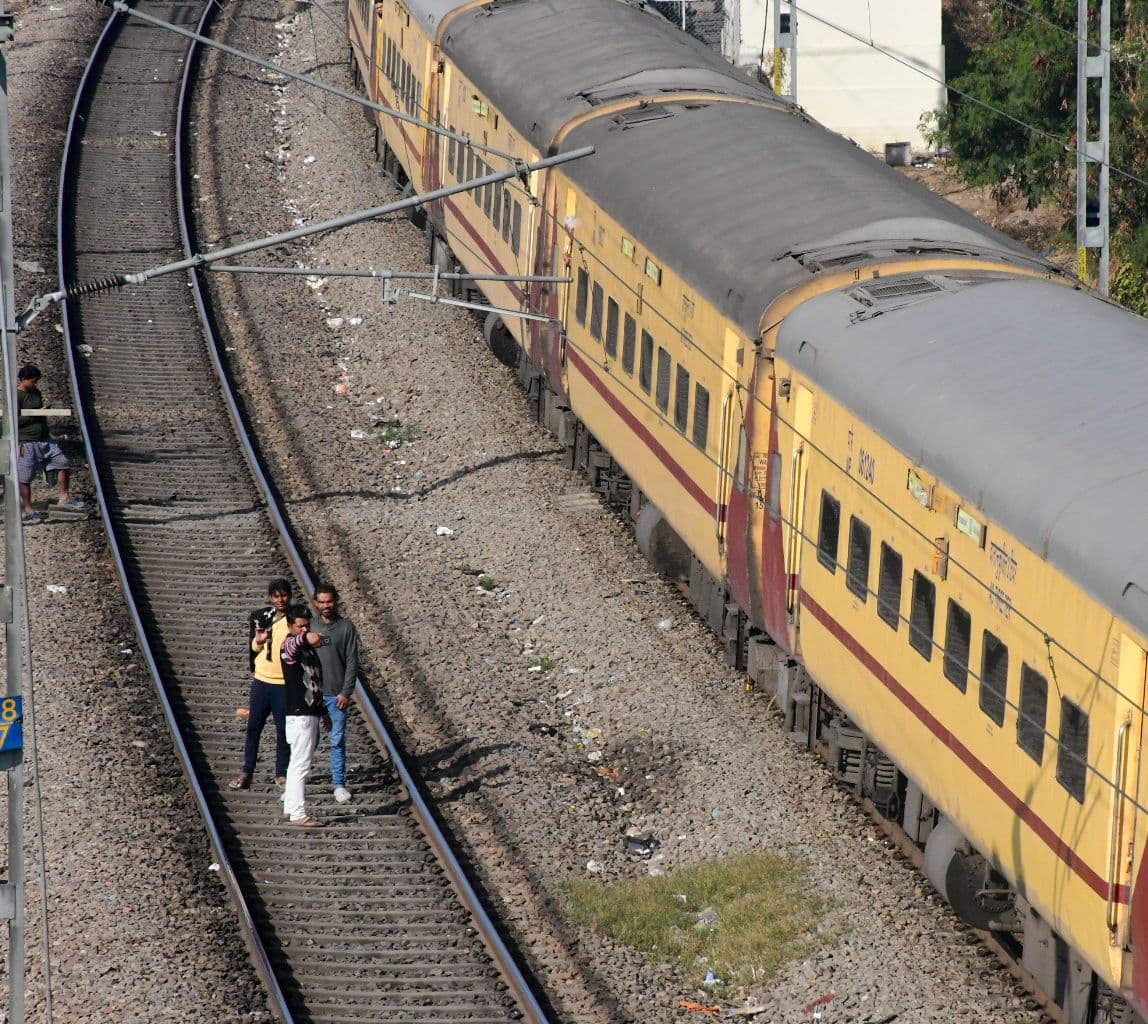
point(305, 710)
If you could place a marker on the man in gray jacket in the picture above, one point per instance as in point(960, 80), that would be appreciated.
point(340, 661)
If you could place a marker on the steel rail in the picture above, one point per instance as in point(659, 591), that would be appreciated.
point(498, 950)
point(488, 931)
point(88, 82)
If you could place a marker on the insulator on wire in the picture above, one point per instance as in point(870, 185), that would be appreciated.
point(102, 284)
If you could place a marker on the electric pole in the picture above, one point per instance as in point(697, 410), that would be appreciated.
point(1092, 153)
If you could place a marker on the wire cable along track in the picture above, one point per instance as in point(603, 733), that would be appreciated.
point(369, 919)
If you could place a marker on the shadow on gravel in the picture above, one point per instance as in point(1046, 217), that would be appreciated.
point(422, 492)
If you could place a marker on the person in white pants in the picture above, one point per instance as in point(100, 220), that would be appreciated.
point(306, 712)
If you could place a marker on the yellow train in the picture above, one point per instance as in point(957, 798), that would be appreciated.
point(867, 428)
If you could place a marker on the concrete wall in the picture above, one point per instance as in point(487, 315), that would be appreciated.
point(842, 81)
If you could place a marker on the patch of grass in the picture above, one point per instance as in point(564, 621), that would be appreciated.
point(767, 915)
point(466, 570)
point(395, 430)
point(546, 664)
point(487, 582)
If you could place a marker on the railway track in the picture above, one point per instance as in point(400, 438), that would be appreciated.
point(370, 918)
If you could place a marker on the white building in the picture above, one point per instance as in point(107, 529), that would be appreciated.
point(843, 81)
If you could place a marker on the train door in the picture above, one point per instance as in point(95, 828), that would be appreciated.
point(795, 536)
point(1124, 817)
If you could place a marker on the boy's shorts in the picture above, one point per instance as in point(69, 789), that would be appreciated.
point(36, 455)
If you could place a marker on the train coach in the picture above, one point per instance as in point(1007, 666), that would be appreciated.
point(868, 430)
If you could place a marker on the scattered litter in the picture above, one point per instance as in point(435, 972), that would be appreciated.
point(538, 621)
point(125, 650)
point(689, 1004)
point(594, 756)
point(341, 389)
point(212, 867)
point(715, 814)
point(655, 866)
point(317, 284)
point(445, 781)
point(593, 867)
point(707, 918)
point(84, 350)
point(711, 979)
point(814, 1008)
point(542, 729)
point(534, 668)
point(354, 322)
point(57, 588)
point(573, 670)
point(159, 135)
point(444, 531)
point(139, 744)
point(593, 734)
point(308, 159)
point(358, 435)
point(681, 897)
point(563, 695)
point(640, 844)
point(30, 266)
point(665, 624)
point(334, 322)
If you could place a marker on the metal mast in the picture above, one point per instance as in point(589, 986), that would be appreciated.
point(785, 42)
point(1092, 210)
point(13, 595)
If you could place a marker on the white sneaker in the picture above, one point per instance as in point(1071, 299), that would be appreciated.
point(342, 795)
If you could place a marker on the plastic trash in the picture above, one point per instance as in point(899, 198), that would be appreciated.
point(706, 918)
point(711, 979)
point(57, 588)
point(665, 624)
point(444, 531)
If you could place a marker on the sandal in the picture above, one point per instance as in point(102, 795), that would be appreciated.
point(241, 781)
point(32, 518)
point(307, 822)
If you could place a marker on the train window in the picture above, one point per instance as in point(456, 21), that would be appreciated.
point(1031, 716)
point(451, 154)
point(582, 295)
point(662, 397)
point(596, 311)
point(828, 530)
point(1072, 753)
point(994, 677)
point(889, 587)
point(682, 399)
point(921, 616)
point(516, 231)
point(629, 332)
point(506, 211)
point(857, 574)
point(480, 170)
point(611, 328)
point(958, 636)
point(488, 196)
point(701, 416)
point(646, 366)
point(496, 213)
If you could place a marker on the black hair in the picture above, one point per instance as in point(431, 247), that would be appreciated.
point(296, 611)
point(29, 371)
point(326, 588)
point(279, 586)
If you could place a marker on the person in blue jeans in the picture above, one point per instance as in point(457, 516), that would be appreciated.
point(340, 661)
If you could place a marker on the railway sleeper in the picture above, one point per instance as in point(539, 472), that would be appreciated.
point(1042, 961)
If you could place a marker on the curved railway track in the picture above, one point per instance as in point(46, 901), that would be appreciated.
point(369, 919)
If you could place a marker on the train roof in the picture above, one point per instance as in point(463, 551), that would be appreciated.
point(729, 194)
point(545, 62)
point(429, 13)
point(721, 192)
point(1026, 397)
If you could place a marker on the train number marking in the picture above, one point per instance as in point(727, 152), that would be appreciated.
point(865, 463)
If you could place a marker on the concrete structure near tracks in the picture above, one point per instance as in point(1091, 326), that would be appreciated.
point(843, 79)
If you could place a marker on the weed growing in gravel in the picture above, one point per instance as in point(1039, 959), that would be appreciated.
point(741, 917)
point(466, 570)
point(397, 431)
point(545, 664)
point(487, 582)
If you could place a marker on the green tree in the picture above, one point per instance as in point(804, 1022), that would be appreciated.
point(1024, 64)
